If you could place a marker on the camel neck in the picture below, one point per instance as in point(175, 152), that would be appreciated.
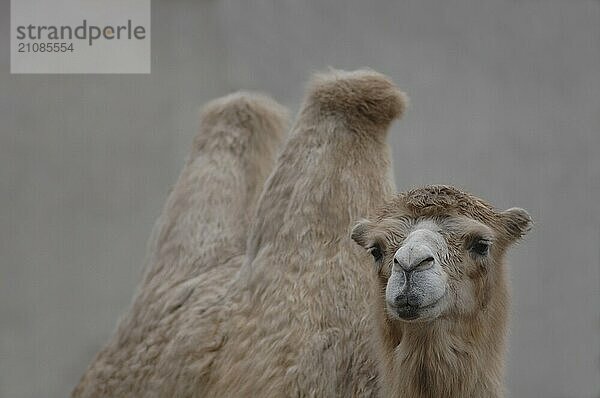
point(446, 358)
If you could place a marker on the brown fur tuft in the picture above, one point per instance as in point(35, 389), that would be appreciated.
point(231, 120)
point(238, 107)
point(430, 200)
point(361, 96)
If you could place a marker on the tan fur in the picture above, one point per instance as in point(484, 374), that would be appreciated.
point(197, 244)
point(293, 322)
point(460, 353)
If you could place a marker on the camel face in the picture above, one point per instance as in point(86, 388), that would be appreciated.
point(438, 251)
point(432, 264)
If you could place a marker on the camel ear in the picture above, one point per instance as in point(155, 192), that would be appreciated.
point(360, 232)
point(517, 223)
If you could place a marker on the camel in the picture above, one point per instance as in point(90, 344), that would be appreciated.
point(441, 296)
point(198, 241)
point(289, 317)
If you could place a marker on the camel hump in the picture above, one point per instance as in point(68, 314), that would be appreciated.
point(361, 96)
point(245, 111)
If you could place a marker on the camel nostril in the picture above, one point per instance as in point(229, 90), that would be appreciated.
point(413, 300)
point(401, 300)
point(425, 264)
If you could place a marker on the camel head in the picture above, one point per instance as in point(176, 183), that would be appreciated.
point(439, 252)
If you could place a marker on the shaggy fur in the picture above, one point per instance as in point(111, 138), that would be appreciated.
point(294, 320)
point(459, 353)
point(196, 246)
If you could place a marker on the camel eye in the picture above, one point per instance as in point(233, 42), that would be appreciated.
point(376, 253)
point(480, 247)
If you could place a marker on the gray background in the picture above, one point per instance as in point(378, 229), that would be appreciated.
point(505, 103)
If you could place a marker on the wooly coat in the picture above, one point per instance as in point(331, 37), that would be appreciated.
point(197, 245)
point(295, 321)
point(291, 317)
